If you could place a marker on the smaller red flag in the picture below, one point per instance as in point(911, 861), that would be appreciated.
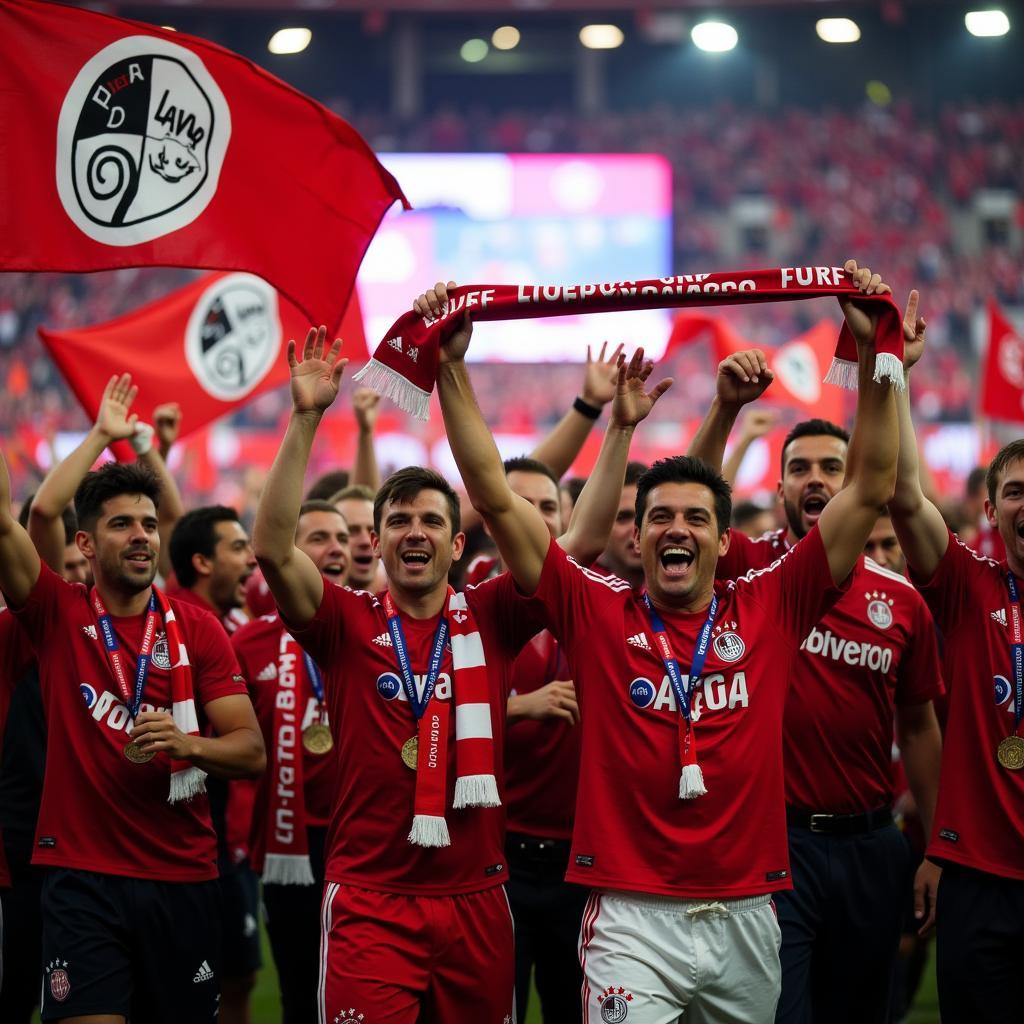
point(1002, 379)
point(211, 346)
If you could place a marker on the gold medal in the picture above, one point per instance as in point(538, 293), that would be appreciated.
point(1010, 753)
point(316, 738)
point(411, 752)
point(137, 755)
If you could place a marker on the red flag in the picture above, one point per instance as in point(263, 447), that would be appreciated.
point(128, 145)
point(800, 365)
point(211, 347)
point(1002, 382)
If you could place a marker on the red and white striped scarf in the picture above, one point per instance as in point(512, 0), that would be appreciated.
point(404, 365)
point(186, 779)
point(475, 783)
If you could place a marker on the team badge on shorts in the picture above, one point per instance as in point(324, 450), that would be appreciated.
point(60, 983)
point(614, 1004)
point(348, 1015)
point(233, 336)
point(879, 609)
point(141, 139)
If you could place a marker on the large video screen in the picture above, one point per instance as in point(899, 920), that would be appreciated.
point(525, 219)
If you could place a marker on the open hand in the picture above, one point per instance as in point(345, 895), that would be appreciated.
point(600, 377)
point(632, 402)
point(112, 419)
point(317, 375)
point(926, 887)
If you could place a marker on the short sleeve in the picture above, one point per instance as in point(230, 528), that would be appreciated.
point(41, 612)
point(324, 635)
point(215, 671)
point(570, 595)
point(920, 673)
point(947, 593)
point(797, 589)
point(739, 559)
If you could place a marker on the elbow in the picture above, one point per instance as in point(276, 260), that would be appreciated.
point(256, 761)
point(879, 488)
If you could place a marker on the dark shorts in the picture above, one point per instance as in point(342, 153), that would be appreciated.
point(149, 951)
point(240, 905)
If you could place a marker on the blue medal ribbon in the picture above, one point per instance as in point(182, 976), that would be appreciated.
point(315, 679)
point(683, 687)
point(402, 653)
point(132, 701)
point(1016, 650)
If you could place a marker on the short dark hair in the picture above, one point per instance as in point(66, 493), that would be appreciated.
point(746, 512)
point(813, 428)
point(324, 486)
point(634, 470)
point(405, 484)
point(526, 464)
point(574, 485)
point(360, 492)
point(1008, 453)
point(111, 481)
point(685, 469)
point(195, 533)
point(318, 505)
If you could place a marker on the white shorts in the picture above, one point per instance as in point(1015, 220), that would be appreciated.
point(658, 960)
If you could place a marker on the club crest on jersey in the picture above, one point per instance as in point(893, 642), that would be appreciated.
point(879, 608)
point(642, 692)
point(389, 686)
point(614, 1003)
point(88, 694)
point(233, 336)
point(141, 140)
point(728, 644)
point(162, 652)
point(351, 1014)
point(60, 983)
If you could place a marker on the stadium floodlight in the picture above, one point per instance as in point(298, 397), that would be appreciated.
point(601, 37)
point(837, 30)
point(987, 23)
point(714, 36)
point(289, 40)
point(473, 51)
point(505, 38)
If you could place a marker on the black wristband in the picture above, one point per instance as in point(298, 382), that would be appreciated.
point(586, 409)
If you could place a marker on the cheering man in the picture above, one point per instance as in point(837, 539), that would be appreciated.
point(415, 924)
point(294, 798)
point(872, 657)
point(978, 831)
point(683, 849)
point(130, 902)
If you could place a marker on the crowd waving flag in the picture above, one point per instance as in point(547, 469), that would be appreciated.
point(211, 347)
point(129, 145)
point(1002, 381)
point(404, 365)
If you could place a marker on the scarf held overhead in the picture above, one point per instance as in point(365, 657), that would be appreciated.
point(404, 366)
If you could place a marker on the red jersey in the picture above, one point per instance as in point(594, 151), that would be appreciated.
point(979, 819)
point(542, 758)
point(15, 657)
point(481, 569)
point(988, 542)
point(258, 647)
point(874, 649)
point(371, 719)
point(99, 811)
point(230, 620)
point(632, 830)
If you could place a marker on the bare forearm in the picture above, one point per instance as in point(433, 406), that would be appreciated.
point(277, 513)
point(594, 514)
point(171, 509)
point(709, 442)
point(921, 751)
point(365, 469)
point(871, 462)
point(471, 442)
point(559, 449)
point(236, 755)
point(731, 466)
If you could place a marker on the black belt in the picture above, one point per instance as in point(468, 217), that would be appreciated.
point(839, 824)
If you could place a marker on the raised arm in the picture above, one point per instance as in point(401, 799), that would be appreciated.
point(291, 574)
point(559, 449)
point(742, 378)
point(365, 402)
point(19, 560)
point(598, 503)
point(113, 423)
point(755, 424)
point(516, 526)
point(918, 523)
point(166, 426)
point(847, 519)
